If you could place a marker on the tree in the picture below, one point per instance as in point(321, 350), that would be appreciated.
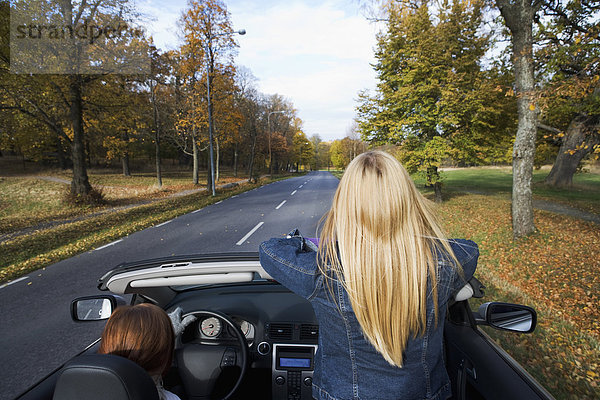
point(569, 41)
point(343, 151)
point(76, 63)
point(433, 98)
point(208, 32)
point(244, 81)
point(158, 78)
point(518, 16)
point(280, 128)
point(323, 155)
point(303, 150)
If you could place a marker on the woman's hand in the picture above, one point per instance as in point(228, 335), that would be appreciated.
point(179, 324)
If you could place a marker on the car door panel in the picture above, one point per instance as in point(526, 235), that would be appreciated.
point(479, 369)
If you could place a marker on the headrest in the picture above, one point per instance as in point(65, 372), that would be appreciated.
point(103, 376)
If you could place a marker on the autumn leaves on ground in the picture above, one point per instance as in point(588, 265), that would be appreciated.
point(555, 270)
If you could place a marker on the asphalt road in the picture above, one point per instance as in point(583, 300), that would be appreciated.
point(36, 331)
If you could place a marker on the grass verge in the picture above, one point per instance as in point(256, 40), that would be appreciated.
point(552, 271)
point(39, 249)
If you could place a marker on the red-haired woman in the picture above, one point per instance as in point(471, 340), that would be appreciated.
point(142, 333)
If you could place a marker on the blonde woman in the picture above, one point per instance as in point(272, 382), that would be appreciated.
point(378, 284)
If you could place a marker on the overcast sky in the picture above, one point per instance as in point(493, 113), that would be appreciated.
point(316, 53)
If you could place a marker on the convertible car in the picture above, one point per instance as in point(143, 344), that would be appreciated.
point(254, 339)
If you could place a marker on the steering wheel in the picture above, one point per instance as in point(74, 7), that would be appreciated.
point(200, 365)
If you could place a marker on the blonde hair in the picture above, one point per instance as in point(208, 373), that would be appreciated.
point(388, 239)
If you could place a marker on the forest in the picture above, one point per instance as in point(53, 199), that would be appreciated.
point(121, 108)
point(460, 83)
point(487, 82)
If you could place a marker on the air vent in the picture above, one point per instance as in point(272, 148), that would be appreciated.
point(280, 331)
point(309, 332)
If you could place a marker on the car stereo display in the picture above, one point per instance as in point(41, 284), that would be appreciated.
point(289, 362)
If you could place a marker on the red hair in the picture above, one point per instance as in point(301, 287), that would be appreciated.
point(142, 333)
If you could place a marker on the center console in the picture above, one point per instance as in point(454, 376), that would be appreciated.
point(292, 371)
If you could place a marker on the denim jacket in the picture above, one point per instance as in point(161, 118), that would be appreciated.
point(347, 366)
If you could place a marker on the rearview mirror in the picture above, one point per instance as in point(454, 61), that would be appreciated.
point(509, 317)
point(95, 308)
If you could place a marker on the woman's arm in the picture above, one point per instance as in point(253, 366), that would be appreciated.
point(290, 263)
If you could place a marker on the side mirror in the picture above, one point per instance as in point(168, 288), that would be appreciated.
point(509, 317)
point(95, 308)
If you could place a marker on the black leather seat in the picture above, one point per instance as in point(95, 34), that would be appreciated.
point(101, 377)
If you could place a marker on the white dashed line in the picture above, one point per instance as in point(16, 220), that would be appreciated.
point(280, 204)
point(300, 187)
point(108, 245)
point(13, 282)
point(194, 212)
point(164, 223)
point(293, 193)
point(219, 202)
point(242, 240)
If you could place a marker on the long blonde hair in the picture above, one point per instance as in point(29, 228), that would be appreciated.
point(388, 238)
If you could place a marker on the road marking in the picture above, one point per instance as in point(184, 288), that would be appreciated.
point(242, 240)
point(300, 187)
point(194, 212)
point(280, 204)
point(219, 202)
point(164, 223)
point(12, 282)
point(233, 197)
point(293, 193)
point(108, 245)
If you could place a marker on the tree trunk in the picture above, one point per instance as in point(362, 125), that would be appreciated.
point(217, 161)
point(158, 166)
point(196, 170)
point(434, 180)
point(156, 137)
point(252, 151)
point(125, 157)
point(519, 19)
point(60, 154)
point(235, 159)
point(579, 141)
point(125, 163)
point(80, 184)
point(437, 187)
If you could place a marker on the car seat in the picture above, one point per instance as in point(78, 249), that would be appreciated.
point(103, 376)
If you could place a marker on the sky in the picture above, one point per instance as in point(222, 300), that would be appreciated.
point(318, 54)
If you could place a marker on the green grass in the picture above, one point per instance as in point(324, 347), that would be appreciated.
point(585, 193)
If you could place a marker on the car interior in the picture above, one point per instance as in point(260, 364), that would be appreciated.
point(256, 339)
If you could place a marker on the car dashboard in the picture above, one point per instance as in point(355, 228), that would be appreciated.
point(279, 327)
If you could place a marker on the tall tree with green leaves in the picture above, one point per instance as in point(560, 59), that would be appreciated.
point(433, 98)
point(569, 60)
